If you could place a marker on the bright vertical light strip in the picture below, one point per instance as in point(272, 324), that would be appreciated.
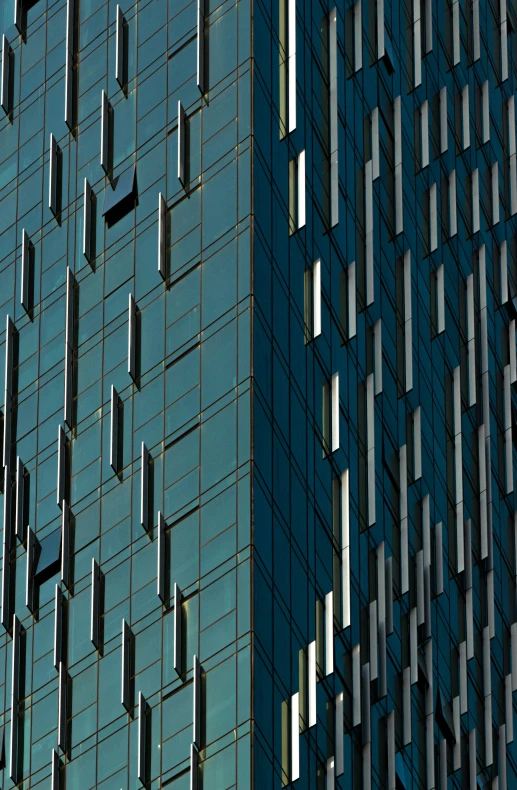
point(312, 684)
point(335, 412)
point(291, 67)
point(301, 189)
point(295, 737)
point(329, 633)
point(316, 297)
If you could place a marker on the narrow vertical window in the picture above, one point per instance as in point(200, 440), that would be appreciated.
point(428, 10)
point(58, 627)
point(433, 219)
point(196, 703)
point(312, 680)
point(178, 618)
point(465, 116)
point(295, 737)
point(61, 466)
point(15, 700)
point(69, 348)
point(160, 581)
point(335, 412)
point(397, 112)
point(495, 193)
point(95, 605)
point(408, 328)
point(458, 466)
point(333, 98)
point(340, 735)
point(6, 74)
point(476, 41)
point(8, 393)
point(368, 211)
point(329, 634)
point(475, 200)
point(143, 710)
point(144, 488)
point(508, 429)
point(87, 221)
point(358, 36)
point(417, 443)
point(503, 268)
point(61, 714)
point(105, 110)
point(201, 45)
point(471, 340)
point(131, 338)
point(297, 193)
point(25, 278)
point(316, 298)
point(114, 430)
point(162, 236)
point(453, 205)
point(69, 64)
point(456, 39)
point(29, 570)
point(444, 142)
point(65, 546)
point(485, 112)
point(380, 29)
point(512, 155)
point(181, 144)
point(52, 179)
point(417, 44)
point(424, 134)
point(120, 55)
point(440, 299)
point(19, 517)
point(377, 356)
point(345, 539)
point(504, 40)
point(126, 666)
point(291, 63)
point(370, 448)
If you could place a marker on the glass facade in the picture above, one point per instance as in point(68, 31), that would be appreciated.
point(258, 303)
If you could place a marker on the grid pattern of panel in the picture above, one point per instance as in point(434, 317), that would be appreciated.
point(385, 286)
point(125, 199)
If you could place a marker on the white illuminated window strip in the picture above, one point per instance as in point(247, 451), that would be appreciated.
point(301, 190)
point(329, 633)
point(316, 297)
point(380, 29)
point(335, 411)
point(465, 116)
point(312, 673)
point(295, 737)
point(291, 63)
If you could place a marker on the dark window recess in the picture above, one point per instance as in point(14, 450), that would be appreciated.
point(3, 763)
point(122, 197)
point(48, 557)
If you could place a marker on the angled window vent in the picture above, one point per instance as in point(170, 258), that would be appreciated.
point(48, 557)
point(121, 197)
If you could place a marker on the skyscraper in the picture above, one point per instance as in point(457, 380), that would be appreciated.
point(258, 283)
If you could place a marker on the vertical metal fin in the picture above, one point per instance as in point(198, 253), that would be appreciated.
point(142, 739)
point(162, 237)
point(15, 699)
point(58, 627)
point(161, 558)
point(6, 69)
point(61, 449)
point(95, 605)
point(87, 221)
point(178, 599)
point(144, 488)
point(196, 704)
point(126, 666)
point(201, 45)
point(181, 144)
point(131, 338)
point(52, 179)
point(65, 545)
point(61, 716)
point(114, 426)
point(120, 54)
point(25, 278)
point(104, 132)
point(29, 584)
point(19, 526)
